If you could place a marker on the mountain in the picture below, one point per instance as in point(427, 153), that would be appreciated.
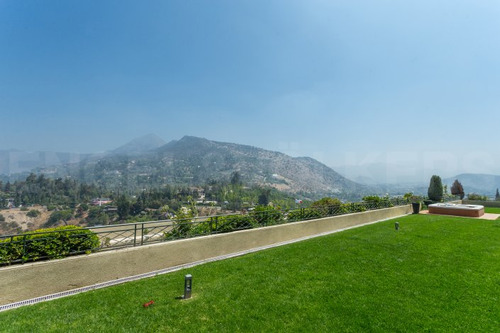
point(403, 172)
point(193, 161)
point(17, 161)
point(15, 164)
point(140, 145)
point(483, 184)
point(205, 159)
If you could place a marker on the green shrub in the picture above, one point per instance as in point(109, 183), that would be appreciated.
point(429, 202)
point(355, 207)
point(374, 202)
point(326, 207)
point(49, 243)
point(266, 215)
point(200, 229)
point(182, 225)
point(181, 229)
point(2, 218)
point(232, 222)
point(478, 197)
point(304, 214)
point(33, 213)
point(261, 216)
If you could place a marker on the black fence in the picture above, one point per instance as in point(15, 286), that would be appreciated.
point(67, 241)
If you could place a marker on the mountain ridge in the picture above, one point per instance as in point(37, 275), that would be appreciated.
point(257, 165)
point(139, 145)
point(479, 183)
point(150, 161)
point(192, 161)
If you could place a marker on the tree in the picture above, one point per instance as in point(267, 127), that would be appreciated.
point(236, 178)
point(59, 215)
point(123, 207)
point(435, 191)
point(33, 213)
point(97, 216)
point(264, 195)
point(497, 196)
point(327, 206)
point(457, 189)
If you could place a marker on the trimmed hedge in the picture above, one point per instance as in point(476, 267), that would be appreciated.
point(48, 243)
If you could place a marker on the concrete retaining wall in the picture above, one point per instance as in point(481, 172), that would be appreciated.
point(21, 282)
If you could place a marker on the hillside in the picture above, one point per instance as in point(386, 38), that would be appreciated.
point(476, 183)
point(193, 160)
point(17, 220)
point(17, 164)
point(203, 159)
point(140, 145)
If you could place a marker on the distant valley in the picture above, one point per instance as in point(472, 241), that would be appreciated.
point(149, 161)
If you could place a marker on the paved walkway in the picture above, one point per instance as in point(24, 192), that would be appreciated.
point(486, 216)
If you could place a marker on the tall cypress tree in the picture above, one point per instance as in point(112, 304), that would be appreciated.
point(435, 190)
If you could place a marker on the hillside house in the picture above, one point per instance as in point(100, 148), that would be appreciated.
point(101, 201)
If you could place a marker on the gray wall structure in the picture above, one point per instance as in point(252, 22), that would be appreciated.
point(31, 280)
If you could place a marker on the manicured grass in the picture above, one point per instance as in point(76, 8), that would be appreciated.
point(492, 210)
point(436, 273)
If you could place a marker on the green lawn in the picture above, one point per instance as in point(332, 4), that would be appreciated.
point(492, 210)
point(436, 273)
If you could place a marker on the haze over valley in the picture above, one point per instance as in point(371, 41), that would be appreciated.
point(277, 100)
point(192, 160)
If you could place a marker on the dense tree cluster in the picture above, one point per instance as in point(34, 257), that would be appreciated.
point(42, 190)
point(68, 199)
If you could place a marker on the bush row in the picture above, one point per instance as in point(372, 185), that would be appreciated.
point(261, 216)
point(319, 212)
point(265, 216)
point(48, 243)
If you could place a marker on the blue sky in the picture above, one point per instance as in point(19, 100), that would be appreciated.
point(410, 84)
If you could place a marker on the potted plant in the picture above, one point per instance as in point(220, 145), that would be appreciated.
point(416, 203)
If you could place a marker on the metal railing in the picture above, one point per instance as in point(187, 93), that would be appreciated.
point(25, 247)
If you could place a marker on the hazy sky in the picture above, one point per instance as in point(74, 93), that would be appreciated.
point(411, 83)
